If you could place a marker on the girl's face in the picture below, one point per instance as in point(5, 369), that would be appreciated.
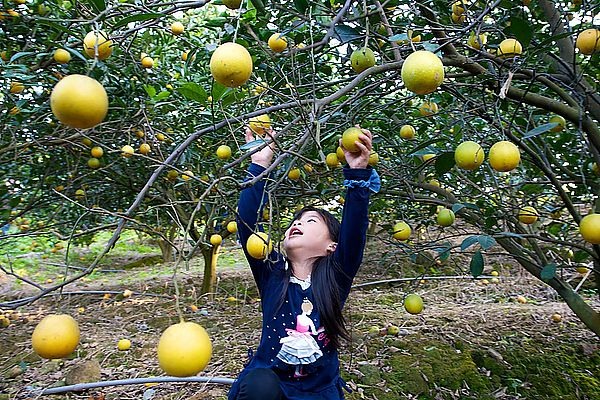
point(308, 237)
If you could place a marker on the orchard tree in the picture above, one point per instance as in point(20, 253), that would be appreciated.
point(485, 116)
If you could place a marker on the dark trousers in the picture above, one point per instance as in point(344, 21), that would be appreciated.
point(260, 384)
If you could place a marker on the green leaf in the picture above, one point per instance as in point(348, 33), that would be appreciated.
point(539, 130)
point(135, 18)
point(21, 54)
point(486, 241)
point(521, 29)
point(150, 90)
point(260, 6)
point(476, 265)
point(346, 33)
point(459, 206)
point(548, 272)
point(162, 95)
point(468, 242)
point(301, 5)
point(444, 162)
point(397, 37)
point(193, 91)
point(98, 5)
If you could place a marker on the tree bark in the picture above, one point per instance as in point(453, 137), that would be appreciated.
point(209, 281)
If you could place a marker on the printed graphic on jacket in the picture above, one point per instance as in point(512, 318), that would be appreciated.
point(299, 347)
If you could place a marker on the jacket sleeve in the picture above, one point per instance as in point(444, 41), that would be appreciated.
point(250, 206)
point(353, 232)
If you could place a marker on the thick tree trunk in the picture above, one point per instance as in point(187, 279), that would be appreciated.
point(209, 282)
point(166, 250)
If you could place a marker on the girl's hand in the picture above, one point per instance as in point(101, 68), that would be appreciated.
point(360, 159)
point(264, 156)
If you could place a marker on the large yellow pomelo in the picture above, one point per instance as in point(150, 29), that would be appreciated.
point(407, 132)
point(56, 336)
point(588, 41)
point(422, 72)
point(260, 124)
point(101, 40)
point(259, 245)
point(349, 137)
point(277, 42)
point(413, 303)
point(504, 156)
point(79, 101)
point(469, 155)
point(528, 215)
point(401, 230)
point(510, 48)
point(184, 349)
point(589, 227)
point(231, 64)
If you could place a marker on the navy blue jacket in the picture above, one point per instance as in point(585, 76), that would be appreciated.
point(317, 376)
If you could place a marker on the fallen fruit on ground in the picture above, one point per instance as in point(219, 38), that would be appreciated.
point(184, 349)
point(413, 304)
point(55, 336)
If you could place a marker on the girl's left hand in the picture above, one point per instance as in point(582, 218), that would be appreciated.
point(360, 159)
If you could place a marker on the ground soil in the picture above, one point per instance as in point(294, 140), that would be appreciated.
point(473, 340)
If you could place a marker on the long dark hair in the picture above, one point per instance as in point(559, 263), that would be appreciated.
point(323, 280)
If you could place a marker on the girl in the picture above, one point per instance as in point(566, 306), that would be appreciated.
point(303, 292)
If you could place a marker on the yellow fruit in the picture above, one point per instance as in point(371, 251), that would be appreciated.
point(349, 137)
point(528, 215)
point(184, 349)
point(127, 151)
point(407, 132)
point(373, 159)
point(413, 303)
point(588, 41)
point(428, 108)
point(232, 4)
point(504, 156)
point(556, 317)
point(61, 56)
point(475, 43)
point(582, 270)
point(469, 155)
point(232, 227)
point(521, 299)
point(184, 55)
point(510, 48)
point(93, 163)
point(187, 175)
point(558, 120)
point(277, 43)
point(56, 336)
point(259, 245)
point(434, 182)
point(144, 149)
point(361, 59)
point(308, 168)
point(589, 227)
point(260, 124)
point(427, 157)
point(216, 239)
point(401, 231)
point(16, 87)
point(177, 28)
point(147, 62)
point(86, 142)
point(294, 174)
point(100, 39)
point(80, 193)
point(224, 152)
point(458, 19)
point(332, 160)
point(97, 152)
point(458, 8)
point(445, 217)
point(422, 72)
point(124, 344)
point(172, 175)
point(79, 101)
point(339, 152)
point(231, 64)
point(160, 137)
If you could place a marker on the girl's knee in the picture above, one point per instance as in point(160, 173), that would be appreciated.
point(260, 384)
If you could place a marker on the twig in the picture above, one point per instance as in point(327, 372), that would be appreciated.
point(427, 278)
point(136, 381)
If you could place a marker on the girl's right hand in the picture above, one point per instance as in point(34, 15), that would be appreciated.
point(264, 156)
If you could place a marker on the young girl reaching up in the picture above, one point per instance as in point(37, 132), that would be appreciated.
point(303, 292)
